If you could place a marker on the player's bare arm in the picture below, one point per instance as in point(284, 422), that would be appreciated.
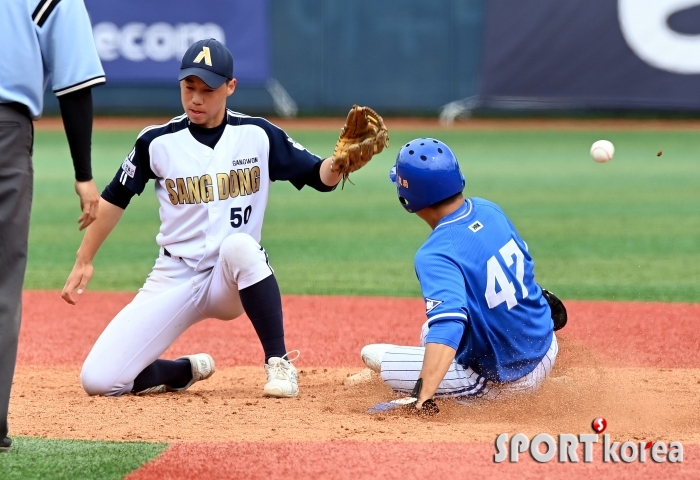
point(94, 237)
point(89, 202)
point(328, 176)
point(437, 361)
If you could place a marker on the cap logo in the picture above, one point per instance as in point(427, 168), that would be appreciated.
point(204, 54)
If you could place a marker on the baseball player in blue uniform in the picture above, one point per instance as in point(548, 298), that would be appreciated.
point(43, 42)
point(212, 170)
point(490, 327)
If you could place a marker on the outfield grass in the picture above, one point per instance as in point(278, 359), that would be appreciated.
point(39, 458)
point(627, 230)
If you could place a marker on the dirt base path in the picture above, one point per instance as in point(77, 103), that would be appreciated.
point(636, 364)
point(229, 407)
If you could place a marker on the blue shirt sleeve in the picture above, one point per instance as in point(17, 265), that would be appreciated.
point(67, 45)
point(447, 332)
point(444, 292)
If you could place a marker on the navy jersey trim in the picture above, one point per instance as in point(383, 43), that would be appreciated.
point(43, 10)
point(142, 171)
point(92, 82)
point(288, 160)
point(147, 135)
point(174, 125)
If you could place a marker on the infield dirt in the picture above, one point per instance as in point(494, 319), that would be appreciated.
point(643, 375)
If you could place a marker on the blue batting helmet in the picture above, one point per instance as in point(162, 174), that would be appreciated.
point(425, 173)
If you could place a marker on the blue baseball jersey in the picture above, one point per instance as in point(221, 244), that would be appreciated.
point(45, 41)
point(477, 279)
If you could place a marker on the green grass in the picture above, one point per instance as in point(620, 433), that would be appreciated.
point(38, 458)
point(626, 230)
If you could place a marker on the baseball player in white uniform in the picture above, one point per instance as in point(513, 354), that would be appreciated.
point(212, 170)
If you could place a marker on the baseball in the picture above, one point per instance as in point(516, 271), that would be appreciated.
point(602, 151)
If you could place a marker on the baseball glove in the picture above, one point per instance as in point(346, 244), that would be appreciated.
point(559, 315)
point(363, 136)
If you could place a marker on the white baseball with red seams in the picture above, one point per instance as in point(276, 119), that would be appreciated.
point(602, 151)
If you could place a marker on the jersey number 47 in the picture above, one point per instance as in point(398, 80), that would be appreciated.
point(496, 275)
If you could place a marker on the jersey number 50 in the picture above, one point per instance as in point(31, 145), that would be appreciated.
point(237, 219)
point(496, 275)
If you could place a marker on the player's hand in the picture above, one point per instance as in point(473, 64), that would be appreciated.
point(426, 408)
point(89, 201)
point(77, 281)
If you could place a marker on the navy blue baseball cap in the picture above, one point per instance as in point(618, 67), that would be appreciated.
point(208, 60)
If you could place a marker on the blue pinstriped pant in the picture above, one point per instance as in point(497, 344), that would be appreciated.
point(402, 365)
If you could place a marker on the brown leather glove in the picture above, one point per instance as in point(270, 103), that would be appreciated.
point(363, 136)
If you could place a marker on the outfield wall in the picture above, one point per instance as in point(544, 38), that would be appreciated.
point(405, 57)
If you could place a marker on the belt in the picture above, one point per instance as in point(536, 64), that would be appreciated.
point(18, 107)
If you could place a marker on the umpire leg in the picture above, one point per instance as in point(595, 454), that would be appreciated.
point(16, 137)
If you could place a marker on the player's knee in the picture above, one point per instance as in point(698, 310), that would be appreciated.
point(95, 382)
point(241, 252)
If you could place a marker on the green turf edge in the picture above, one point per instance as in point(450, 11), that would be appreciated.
point(42, 458)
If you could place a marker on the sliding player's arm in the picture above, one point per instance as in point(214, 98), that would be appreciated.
point(436, 363)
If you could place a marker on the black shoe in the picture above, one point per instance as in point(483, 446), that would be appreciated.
point(5, 444)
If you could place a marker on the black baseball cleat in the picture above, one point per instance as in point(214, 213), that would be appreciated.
point(5, 444)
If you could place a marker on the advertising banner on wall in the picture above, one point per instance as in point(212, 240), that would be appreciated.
point(142, 41)
point(592, 54)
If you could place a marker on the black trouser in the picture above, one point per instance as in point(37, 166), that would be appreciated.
point(16, 172)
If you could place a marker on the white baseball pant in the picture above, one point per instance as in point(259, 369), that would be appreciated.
point(174, 297)
point(401, 367)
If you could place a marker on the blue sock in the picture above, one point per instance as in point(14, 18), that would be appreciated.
point(173, 373)
point(262, 303)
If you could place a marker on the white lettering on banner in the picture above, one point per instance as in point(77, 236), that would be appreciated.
point(645, 28)
point(159, 42)
point(543, 448)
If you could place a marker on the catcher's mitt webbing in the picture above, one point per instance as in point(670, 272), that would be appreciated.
point(363, 136)
point(559, 316)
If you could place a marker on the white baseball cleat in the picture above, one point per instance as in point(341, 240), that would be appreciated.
point(156, 389)
point(202, 368)
point(282, 381)
point(372, 355)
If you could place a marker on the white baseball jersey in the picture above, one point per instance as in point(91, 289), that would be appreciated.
point(207, 194)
